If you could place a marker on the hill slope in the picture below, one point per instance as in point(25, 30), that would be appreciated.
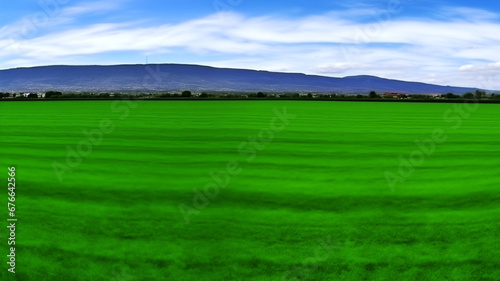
point(162, 77)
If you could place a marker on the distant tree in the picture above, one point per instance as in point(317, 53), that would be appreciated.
point(480, 94)
point(309, 96)
point(468, 95)
point(231, 96)
point(33, 96)
point(2, 95)
point(52, 94)
point(261, 95)
point(186, 94)
point(204, 95)
point(450, 96)
point(359, 96)
point(75, 96)
point(373, 94)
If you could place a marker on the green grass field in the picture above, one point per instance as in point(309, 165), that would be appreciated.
point(308, 199)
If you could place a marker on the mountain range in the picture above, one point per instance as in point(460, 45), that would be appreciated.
point(176, 77)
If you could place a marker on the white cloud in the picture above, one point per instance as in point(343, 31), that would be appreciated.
point(474, 68)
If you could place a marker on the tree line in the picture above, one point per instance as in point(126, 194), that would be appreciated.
point(373, 95)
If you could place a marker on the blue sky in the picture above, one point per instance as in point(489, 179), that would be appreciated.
point(441, 42)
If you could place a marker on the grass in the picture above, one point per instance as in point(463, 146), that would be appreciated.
point(313, 204)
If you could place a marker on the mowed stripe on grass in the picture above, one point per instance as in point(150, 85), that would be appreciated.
point(320, 182)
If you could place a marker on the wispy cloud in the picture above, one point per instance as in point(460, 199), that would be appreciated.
point(488, 67)
point(466, 14)
point(91, 8)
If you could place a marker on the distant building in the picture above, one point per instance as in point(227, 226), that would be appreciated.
point(391, 95)
point(394, 95)
point(434, 95)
